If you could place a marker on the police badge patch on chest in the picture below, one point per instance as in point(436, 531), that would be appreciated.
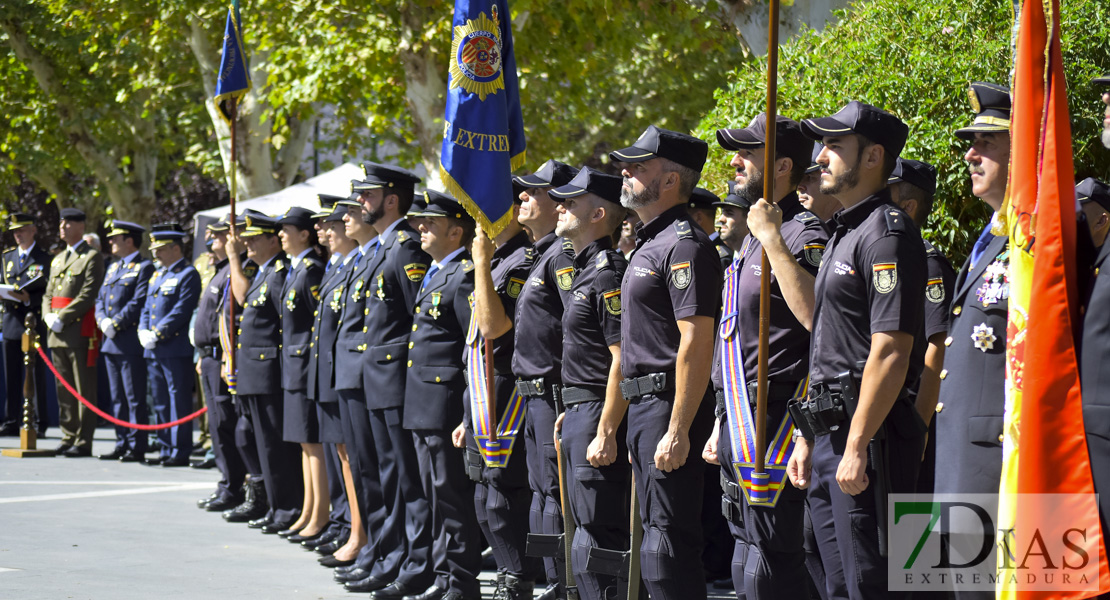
point(884, 277)
point(680, 275)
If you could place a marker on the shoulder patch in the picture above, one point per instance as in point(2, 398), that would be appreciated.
point(805, 216)
point(612, 301)
point(514, 287)
point(683, 230)
point(680, 275)
point(602, 261)
point(884, 277)
point(895, 220)
point(467, 265)
point(415, 271)
point(934, 290)
point(565, 278)
point(813, 253)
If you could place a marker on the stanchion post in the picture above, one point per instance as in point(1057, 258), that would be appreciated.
point(28, 434)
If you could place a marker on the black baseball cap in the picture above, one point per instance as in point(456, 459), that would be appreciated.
point(789, 139)
point(917, 173)
point(551, 174)
point(1103, 80)
point(656, 142)
point(856, 117)
point(1093, 190)
point(991, 103)
point(590, 181)
point(813, 166)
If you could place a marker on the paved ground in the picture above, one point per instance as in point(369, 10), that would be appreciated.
point(87, 529)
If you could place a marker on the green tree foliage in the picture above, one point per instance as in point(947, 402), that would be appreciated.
point(915, 59)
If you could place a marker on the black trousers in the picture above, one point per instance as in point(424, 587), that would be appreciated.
point(456, 555)
point(545, 514)
point(244, 438)
point(127, 383)
point(405, 536)
point(221, 427)
point(13, 376)
point(769, 557)
point(599, 497)
point(280, 460)
point(364, 468)
point(844, 525)
point(502, 499)
point(670, 503)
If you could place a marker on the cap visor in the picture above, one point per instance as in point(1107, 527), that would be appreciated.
point(823, 127)
point(531, 180)
point(1104, 80)
point(567, 191)
point(631, 154)
point(735, 139)
point(968, 133)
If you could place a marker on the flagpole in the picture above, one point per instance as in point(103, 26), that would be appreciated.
point(765, 272)
point(233, 113)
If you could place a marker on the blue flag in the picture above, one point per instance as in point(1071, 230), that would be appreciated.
point(233, 79)
point(483, 137)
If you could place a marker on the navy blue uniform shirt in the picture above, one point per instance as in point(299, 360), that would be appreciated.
point(592, 319)
point(674, 274)
point(539, 311)
point(511, 263)
point(938, 291)
point(206, 329)
point(872, 279)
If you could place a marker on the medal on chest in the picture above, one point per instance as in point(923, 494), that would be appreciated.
point(261, 299)
point(336, 298)
point(291, 300)
point(996, 282)
point(381, 287)
point(437, 297)
point(983, 337)
point(356, 293)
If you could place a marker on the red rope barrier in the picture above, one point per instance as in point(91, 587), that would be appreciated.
point(107, 416)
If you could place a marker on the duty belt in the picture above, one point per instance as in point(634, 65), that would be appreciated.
point(578, 395)
point(472, 461)
point(730, 501)
point(213, 351)
point(532, 387)
point(775, 390)
point(652, 383)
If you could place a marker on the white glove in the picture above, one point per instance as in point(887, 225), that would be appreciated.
point(108, 327)
point(53, 322)
point(148, 339)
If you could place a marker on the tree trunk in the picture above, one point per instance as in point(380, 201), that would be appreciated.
point(750, 18)
point(425, 88)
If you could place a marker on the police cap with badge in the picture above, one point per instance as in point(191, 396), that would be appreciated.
point(991, 103)
point(702, 199)
point(873, 123)
point(1093, 190)
point(126, 228)
point(590, 181)
point(917, 173)
point(298, 217)
point(442, 205)
point(386, 177)
point(656, 142)
point(259, 224)
point(790, 142)
point(165, 234)
point(19, 220)
point(72, 214)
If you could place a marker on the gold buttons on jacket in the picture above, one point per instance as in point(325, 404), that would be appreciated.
point(957, 310)
point(940, 406)
point(410, 363)
point(948, 341)
point(410, 345)
point(414, 326)
point(1000, 436)
point(389, 357)
point(437, 379)
point(943, 373)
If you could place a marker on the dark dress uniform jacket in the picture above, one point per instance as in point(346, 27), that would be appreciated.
point(321, 362)
point(396, 273)
point(206, 329)
point(31, 277)
point(1095, 378)
point(172, 296)
point(257, 362)
point(972, 388)
point(350, 340)
point(121, 299)
point(435, 382)
point(300, 295)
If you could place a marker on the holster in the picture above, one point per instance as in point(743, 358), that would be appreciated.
point(545, 545)
point(730, 501)
point(472, 461)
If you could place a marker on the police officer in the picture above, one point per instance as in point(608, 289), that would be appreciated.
point(969, 414)
point(1094, 198)
point(321, 374)
point(537, 332)
point(76, 274)
point(502, 497)
point(809, 190)
point(589, 214)
point(395, 271)
point(768, 558)
point(1104, 82)
point(703, 211)
point(118, 308)
point(257, 363)
point(434, 388)
point(300, 296)
point(670, 299)
point(221, 409)
point(912, 187)
point(172, 295)
point(27, 269)
point(875, 257)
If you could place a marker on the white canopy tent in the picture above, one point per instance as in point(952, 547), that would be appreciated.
point(336, 182)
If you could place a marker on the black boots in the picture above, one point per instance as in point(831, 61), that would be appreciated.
point(253, 507)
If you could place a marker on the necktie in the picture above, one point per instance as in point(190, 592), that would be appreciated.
point(428, 276)
point(377, 246)
point(981, 245)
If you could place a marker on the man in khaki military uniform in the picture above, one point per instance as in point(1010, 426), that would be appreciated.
point(76, 274)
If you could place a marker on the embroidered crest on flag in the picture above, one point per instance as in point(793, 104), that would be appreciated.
point(476, 56)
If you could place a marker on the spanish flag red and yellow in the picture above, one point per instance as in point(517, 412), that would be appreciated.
point(1044, 450)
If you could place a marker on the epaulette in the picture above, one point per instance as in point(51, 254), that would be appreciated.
point(402, 236)
point(602, 260)
point(530, 253)
point(723, 251)
point(7, 250)
point(895, 220)
point(805, 216)
point(683, 230)
point(279, 265)
point(568, 246)
point(930, 250)
point(468, 265)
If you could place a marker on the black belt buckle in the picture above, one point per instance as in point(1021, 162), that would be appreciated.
point(658, 382)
